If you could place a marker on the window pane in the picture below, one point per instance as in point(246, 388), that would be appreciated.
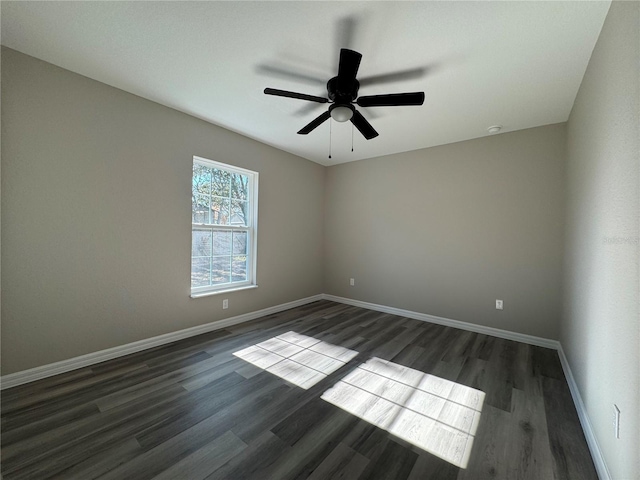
point(239, 243)
point(201, 180)
point(221, 243)
point(201, 243)
point(200, 276)
point(220, 182)
point(239, 186)
point(239, 268)
point(223, 231)
point(220, 270)
point(219, 211)
point(239, 213)
point(200, 208)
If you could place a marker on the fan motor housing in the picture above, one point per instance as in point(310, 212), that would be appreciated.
point(342, 94)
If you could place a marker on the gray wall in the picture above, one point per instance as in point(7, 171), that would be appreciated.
point(96, 203)
point(450, 229)
point(96, 236)
point(600, 331)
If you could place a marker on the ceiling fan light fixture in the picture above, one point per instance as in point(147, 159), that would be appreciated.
point(341, 113)
point(342, 92)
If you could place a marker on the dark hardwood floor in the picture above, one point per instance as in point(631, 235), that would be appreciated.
point(194, 410)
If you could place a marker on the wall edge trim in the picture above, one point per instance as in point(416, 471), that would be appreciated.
point(587, 429)
point(63, 366)
point(495, 332)
point(585, 422)
point(49, 370)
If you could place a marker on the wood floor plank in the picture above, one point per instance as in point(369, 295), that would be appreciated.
point(461, 347)
point(147, 415)
point(488, 460)
point(69, 389)
point(366, 439)
point(472, 373)
point(58, 449)
point(487, 347)
point(159, 382)
point(192, 409)
point(297, 425)
point(546, 363)
point(252, 462)
point(55, 381)
point(271, 408)
point(174, 449)
point(26, 431)
point(87, 394)
point(167, 454)
point(162, 352)
point(430, 467)
point(395, 461)
point(313, 447)
point(499, 384)
point(343, 463)
point(206, 460)
point(213, 398)
point(568, 447)
point(529, 456)
point(408, 355)
point(101, 463)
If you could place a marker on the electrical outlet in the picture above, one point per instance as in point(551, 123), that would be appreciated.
point(352, 281)
point(616, 421)
point(225, 303)
point(499, 305)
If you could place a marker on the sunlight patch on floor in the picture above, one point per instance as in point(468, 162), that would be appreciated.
point(297, 358)
point(437, 415)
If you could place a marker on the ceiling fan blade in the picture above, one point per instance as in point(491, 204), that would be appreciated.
point(363, 126)
point(345, 32)
point(392, 100)
point(306, 109)
point(348, 68)
point(402, 75)
point(289, 73)
point(315, 123)
point(299, 96)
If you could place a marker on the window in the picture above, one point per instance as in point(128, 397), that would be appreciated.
point(224, 211)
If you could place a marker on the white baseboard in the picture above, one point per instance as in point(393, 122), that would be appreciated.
point(495, 332)
point(37, 373)
point(44, 371)
point(594, 447)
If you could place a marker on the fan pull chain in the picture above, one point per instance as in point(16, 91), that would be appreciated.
point(352, 137)
point(330, 138)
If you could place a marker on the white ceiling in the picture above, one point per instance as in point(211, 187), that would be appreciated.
point(518, 64)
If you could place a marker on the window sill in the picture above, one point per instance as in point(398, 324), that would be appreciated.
point(226, 290)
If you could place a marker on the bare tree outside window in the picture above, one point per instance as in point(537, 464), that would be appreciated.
point(221, 233)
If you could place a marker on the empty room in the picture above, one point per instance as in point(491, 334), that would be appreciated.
point(324, 240)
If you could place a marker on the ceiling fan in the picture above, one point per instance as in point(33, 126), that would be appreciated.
point(342, 91)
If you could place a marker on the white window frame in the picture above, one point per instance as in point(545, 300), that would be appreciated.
point(251, 229)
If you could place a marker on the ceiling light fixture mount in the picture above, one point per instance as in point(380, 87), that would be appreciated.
point(494, 128)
